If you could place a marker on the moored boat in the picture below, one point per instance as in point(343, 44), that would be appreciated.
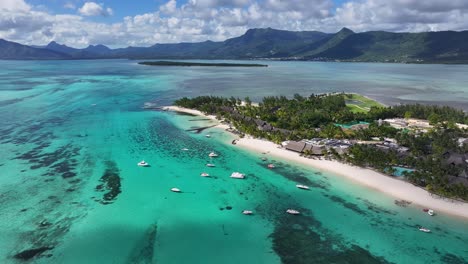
point(175, 190)
point(247, 212)
point(185, 149)
point(425, 230)
point(208, 135)
point(304, 187)
point(237, 175)
point(204, 174)
point(292, 211)
point(212, 154)
point(210, 165)
point(271, 166)
point(430, 212)
point(143, 164)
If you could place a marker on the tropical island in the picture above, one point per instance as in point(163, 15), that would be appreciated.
point(204, 64)
point(420, 144)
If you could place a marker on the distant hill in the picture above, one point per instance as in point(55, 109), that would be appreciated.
point(14, 51)
point(267, 43)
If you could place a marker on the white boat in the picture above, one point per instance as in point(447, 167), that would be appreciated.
point(175, 190)
point(208, 135)
point(264, 159)
point(237, 175)
point(212, 154)
point(425, 230)
point(210, 165)
point(143, 164)
point(247, 212)
point(271, 166)
point(185, 149)
point(204, 174)
point(430, 212)
point(304, 187)
point(292, 211)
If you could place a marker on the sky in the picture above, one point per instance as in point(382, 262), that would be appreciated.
point(123, 23)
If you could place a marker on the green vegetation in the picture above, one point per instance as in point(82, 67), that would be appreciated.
point(360, 104)
point(188, 64)
point(436, 156)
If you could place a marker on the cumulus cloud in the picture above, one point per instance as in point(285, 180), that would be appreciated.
point(200, 20)
point(69, 6)
point(94, 9)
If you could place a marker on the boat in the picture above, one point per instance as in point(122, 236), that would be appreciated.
point(204, 174)
point(271, 166)
point(430, 212)
point(237, 175)
point(212, 154)
point(210, 165)
point(143, 164)
point(264, 159)
point(292, 211)
point(247, 212)
point(425, 230)
point(304, 187)
point(175, 190)
point(426, 210)
point(208, 135)
point(185, 149)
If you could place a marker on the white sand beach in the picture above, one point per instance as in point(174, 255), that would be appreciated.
point(391, 186)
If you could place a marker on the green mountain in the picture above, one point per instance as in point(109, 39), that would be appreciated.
point(267, 43)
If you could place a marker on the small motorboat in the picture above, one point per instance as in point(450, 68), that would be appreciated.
point(143, 164)
point(237, 175)
point(204, 174)
point(264, 159)
point(304, 187)
point(210, 165)
point(247, 212)
point(175, 190)
point(185, 149)
point(425, 230)
point(208, 135)
point(430, 212)
point(271, 166)
point(212, 154)
point(292, 211)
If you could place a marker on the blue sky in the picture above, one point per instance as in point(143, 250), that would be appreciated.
point(121, 23)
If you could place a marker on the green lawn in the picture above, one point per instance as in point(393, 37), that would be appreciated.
point(360, 104)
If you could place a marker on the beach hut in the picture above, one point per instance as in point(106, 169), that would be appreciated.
point(296, 146)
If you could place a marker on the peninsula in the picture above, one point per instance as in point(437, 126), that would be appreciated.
point(204, 64)
point(409, 151)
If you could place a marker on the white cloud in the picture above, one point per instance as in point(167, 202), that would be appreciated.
point(14, 5)
point(93, 9)
point(69, 6)
point(200, 20)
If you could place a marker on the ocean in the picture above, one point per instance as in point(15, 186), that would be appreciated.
point(72, 133)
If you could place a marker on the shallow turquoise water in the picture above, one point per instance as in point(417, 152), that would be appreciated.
point(66, 124)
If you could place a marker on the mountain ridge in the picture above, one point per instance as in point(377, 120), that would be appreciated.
point(274, 44)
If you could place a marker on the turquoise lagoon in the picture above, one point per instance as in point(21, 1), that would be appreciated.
point(72, 132)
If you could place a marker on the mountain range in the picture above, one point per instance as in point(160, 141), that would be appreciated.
point(267, 43)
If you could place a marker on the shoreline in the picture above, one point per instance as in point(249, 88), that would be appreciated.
point(390, 186)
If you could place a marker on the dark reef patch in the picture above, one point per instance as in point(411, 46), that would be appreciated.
point(297, 240)
point(346, 204)
point(109, 183)
point(31, 253)
point(452, 259)
point(296, 176)
point(144, 255)
point(198, 130)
